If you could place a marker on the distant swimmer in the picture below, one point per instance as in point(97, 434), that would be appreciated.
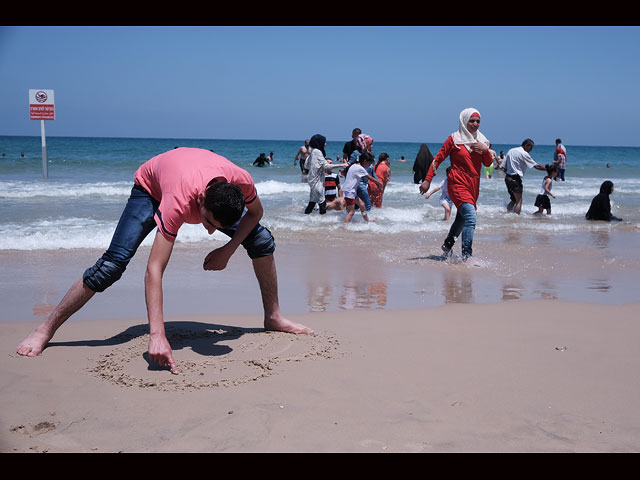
point(261, 161)
point(303, 153)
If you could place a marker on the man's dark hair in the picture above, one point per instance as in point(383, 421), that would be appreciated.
point(527, 141)
point(225, 201)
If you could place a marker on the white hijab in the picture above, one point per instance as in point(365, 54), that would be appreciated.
point(464, 136)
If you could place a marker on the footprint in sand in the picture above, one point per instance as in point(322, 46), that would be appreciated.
point(31, 430)
point(212, 358)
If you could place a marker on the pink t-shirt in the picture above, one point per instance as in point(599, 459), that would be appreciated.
point(176, 178)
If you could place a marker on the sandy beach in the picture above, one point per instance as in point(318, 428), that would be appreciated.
point(458, 378)
point(407, 356)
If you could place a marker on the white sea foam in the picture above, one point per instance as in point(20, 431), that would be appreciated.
point(403, 211)
point(26, 190)
point(82, 233)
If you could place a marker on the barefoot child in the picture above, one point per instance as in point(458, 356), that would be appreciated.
point(542, 200)
point(445, 201)
point(354, 174)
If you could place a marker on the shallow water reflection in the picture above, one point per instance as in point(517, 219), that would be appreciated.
point(600, 238)
point(457, 287)
point(349, 296)
point(600, 284)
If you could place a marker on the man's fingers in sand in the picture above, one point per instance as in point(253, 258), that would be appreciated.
point(165, 360)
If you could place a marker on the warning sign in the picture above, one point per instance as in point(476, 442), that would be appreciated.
point(41, 104)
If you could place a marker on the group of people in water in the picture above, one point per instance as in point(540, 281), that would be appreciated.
point(365, 179)
point(470, 154)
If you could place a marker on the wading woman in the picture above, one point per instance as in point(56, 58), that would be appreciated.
point(468, 150)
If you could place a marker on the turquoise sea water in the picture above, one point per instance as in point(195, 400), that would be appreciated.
point(89, 180)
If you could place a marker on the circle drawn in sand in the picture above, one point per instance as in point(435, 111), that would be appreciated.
point(211, 358)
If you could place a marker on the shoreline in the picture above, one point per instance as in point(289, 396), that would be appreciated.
point(342, 271)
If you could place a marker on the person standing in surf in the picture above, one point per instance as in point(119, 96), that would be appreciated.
point(468, 150)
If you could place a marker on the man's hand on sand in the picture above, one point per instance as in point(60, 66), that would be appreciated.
point(160, 352)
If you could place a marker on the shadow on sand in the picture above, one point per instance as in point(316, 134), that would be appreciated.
point(201, 337)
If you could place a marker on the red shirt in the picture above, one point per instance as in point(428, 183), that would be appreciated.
point(176, 178)
point(464, 177)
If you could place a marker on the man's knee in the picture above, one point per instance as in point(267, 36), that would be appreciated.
point(260, 243)
point(103, 274)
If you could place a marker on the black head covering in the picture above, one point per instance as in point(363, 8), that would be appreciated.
point(318, 141)
point(421, 165)
point(600, 208)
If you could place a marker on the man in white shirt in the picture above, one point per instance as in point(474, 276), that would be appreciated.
point(517, 162)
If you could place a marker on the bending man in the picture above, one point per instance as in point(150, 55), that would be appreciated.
point(184, 185)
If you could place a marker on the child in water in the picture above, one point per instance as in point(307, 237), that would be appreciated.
point(542, 200)
point(445, 201)
point(355, 173)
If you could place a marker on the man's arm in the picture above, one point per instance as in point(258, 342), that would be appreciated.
point(159, 348)
point(218, 258)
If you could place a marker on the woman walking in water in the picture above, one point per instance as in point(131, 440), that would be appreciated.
point(468, 150)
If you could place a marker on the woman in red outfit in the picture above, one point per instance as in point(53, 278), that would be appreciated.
point(468, 150)
point(382, 172)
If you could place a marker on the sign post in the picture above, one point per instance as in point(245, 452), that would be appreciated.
point(42, 107)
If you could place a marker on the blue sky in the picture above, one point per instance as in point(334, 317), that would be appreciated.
point(396, 83)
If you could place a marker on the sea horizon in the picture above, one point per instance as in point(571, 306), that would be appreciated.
point(301, 140)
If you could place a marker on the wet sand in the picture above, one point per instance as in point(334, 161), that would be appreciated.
point(343, 271)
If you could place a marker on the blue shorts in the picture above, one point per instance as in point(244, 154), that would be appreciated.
point(136, 222)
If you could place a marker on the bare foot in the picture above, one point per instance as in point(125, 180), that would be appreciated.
point(33, 345)
point(471, 262)
point(287, 326)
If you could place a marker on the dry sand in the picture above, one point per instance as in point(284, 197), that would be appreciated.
point(519, 376)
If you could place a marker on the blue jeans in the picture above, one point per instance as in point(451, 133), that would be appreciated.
point(363, 193)
point(136, 222)
point(464, 223)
